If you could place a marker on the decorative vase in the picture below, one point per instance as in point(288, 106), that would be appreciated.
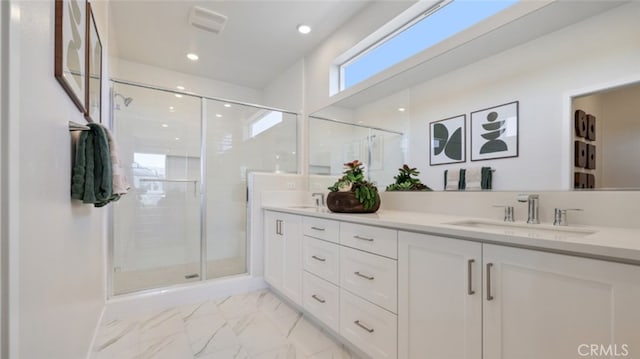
point(346, 202)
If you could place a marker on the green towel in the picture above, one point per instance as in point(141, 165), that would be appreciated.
point(462, 183)
point(92, 176)
point(486, 177)
point(79, 167)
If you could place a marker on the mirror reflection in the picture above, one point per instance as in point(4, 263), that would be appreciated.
point(611, 129)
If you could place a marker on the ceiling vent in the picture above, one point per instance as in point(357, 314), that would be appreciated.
point(207, 20)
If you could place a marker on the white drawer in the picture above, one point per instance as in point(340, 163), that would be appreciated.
point(369, 327)
point(377, 240)
point(321, 299)
point(370, 276)
point(321, 228)
point(322, 259)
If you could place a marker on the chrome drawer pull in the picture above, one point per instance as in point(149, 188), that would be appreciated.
point(363, 276)
point(364, 238)
point(357, 322)
point(470, 290)
point(489, 296)
point(318, 299)
point(317, 229)
point(319, 259)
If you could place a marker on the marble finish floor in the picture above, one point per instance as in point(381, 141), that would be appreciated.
point(256, 325)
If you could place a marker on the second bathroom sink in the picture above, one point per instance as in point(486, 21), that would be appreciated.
point(524, 229)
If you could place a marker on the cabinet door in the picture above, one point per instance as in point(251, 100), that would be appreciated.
point(544, 305)
point(273, 249)
point(292, 258)
point(439, 298)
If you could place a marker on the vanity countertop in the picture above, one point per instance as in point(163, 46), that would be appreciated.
point(608, 243)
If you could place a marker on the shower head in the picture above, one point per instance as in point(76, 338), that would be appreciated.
point(127, 100)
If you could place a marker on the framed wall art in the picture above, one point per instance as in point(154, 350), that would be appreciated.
point(494, 132)
point(447, 141)
point(94, 69)
point(70, 67)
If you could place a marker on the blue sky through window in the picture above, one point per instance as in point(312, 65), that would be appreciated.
point(453, 18)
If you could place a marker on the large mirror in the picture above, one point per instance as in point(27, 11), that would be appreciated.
point(551, 75)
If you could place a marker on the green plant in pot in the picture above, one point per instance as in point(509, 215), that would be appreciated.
point(352, 193)
point(405, 180)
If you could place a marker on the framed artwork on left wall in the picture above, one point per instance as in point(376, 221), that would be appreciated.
point(94, 69)
point(70, 65)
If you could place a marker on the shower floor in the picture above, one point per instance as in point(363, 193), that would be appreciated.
point(132, 281)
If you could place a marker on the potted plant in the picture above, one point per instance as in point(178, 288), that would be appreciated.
point(405, 181)
point(352, 193)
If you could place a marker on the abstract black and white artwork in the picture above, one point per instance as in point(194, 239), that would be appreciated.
point(70, 67)
point(447, 140)
point(494, 132)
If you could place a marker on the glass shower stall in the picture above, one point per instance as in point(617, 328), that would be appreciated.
point(186, 158)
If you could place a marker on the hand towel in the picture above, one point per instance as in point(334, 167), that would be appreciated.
point(451, 180)
point(120, 184)
point(91, 179)
point(474, 179)
point(462, 183)
point(487, 178)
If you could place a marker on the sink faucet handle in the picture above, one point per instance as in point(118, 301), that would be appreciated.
point(508, 212)
point(560, 216)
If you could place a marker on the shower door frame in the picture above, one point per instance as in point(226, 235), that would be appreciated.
point(203, 190)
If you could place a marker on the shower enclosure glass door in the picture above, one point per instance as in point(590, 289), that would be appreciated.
point(239, 139)
point(187, 159)
point(156, 226)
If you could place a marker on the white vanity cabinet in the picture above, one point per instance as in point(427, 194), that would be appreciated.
point(463, 299)
point(283, 254)
point(545, 305)
point(439, 297)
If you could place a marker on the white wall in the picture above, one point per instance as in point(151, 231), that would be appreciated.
point(57, 270)
point(538, 74)
point(155, 76)
point(3, 130)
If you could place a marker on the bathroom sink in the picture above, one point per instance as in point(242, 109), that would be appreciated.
point(526, 230)
point(316, 208)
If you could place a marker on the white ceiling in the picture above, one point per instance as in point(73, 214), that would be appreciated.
point(258, 43)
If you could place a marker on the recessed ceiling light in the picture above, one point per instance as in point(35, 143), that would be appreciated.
point(178, 95)
point(401, 109)
point(192, 57)
point(171, 108)
point(218, 115)
point(177, 138)
point(227, 105)
point(304, 29)
point(180, 88)
point(165, 125)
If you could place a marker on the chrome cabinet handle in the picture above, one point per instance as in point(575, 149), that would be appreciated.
point(489, 296)
point(470, 290)
point(317, 229)
point(357, 322)
point(318, 258)
point(363, 276)
point(318, 299)
point(363, 238)
point(278, 226)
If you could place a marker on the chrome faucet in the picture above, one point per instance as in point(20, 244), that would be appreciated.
point(319, 197)
point(532, 203)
